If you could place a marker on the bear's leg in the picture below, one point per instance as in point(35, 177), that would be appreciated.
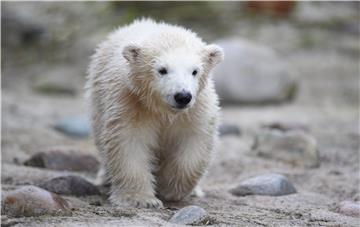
point(129, 167)
point(101, 178)
point(198, 192)
point(182, 169)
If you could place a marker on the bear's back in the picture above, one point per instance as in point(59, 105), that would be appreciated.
point(147, 32)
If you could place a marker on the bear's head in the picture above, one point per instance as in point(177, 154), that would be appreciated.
point(171, 75)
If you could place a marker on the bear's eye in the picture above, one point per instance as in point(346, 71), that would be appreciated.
point(163, 71)
point(194, 73)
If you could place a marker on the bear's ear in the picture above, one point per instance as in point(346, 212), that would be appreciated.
point(131, 53)
point(214, 54)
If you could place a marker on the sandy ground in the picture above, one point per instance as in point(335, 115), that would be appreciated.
point(328, 104)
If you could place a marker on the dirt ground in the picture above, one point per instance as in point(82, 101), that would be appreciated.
point(326, 65)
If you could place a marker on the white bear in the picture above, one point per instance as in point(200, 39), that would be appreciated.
point(154, 111)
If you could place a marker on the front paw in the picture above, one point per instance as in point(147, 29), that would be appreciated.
point(138, 201)
point(171, 195)
point(198, 192)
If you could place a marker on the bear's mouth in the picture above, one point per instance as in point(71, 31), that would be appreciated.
point(180, 107)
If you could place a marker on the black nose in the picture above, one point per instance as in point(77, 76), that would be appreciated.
point(182, 99)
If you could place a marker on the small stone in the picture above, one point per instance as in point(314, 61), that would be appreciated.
point(24, 175)
point(32, 201)
point(77, 127)
point(59, 160)
point(95, 203)
point(295, 147)
point(190, 215)
point(349, 208)
point(227, 129)
point(70, 185)
point(268, 184)
point(287, 126)
point(253, 74)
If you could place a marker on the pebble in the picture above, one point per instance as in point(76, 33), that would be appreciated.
point(287, 126)
point(70, 185)
point(227, 129)
point(349, 208)
point(60, 160)
point(76, 127)
point(190, 215)
point(32, 201)
point(253, 74)
point(294, 147)
point(267, 184)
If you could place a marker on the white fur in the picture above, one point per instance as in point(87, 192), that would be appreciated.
point(180, 65)
point(149, 147)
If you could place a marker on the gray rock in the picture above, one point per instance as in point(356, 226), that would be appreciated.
point(70, 185)
point(252, 74)
point(287, 126)
point(58, 160)
point(32, 201)
point(349, 208)
point(227, 129)
point(295, 147)
point(21, 29)
point(78, 127)
point(24, 175)
point(190, 215)
point(268, 184)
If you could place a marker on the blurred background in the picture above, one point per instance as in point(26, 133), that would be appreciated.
point(290, 66)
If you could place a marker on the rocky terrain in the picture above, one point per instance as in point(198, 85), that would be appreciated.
point(289, 147)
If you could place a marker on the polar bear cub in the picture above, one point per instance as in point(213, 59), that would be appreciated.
point(154, 111)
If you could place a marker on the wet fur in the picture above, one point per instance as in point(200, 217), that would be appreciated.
point(148, 149)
